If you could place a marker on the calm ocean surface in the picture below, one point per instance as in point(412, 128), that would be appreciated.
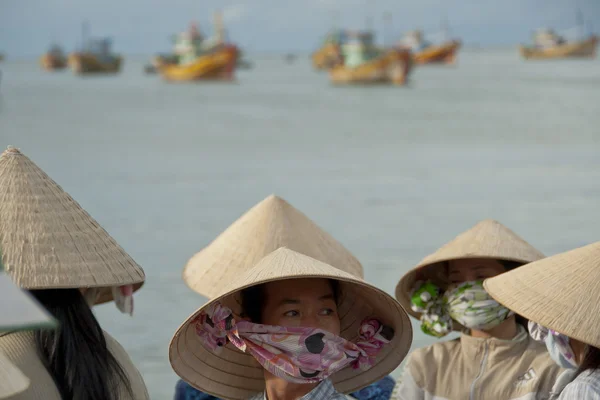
point(393, 173)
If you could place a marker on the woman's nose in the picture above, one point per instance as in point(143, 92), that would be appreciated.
point(311, 321)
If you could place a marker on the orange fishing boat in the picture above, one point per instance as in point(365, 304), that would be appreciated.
point(196, 58)
point(95, 57)
point(83, 63)
point(550, 46)
point(218, 65)
point(364, 64)
point(54, 59)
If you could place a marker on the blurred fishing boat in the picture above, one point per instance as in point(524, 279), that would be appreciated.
point(364, 63)
point(202, 59)
point(549, 45)
point(95, 57)
point(54, 59)
point(425, 52)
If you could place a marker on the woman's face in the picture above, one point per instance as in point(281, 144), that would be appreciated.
point(472, 269)
point(301, 302)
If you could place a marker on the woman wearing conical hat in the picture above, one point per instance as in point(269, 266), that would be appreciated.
point(290, 328)
point(57, 251)
point(494, 358)
point(560, 297)
point(269, 225)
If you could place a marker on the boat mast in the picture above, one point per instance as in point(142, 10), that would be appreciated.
point(85, 30)
point(387, 23)
point(369, 16)
point(219, 27)
point(445, 29)
point(580, 24)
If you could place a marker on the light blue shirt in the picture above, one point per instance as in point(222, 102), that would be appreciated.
point(585, 387)
point(324, 391)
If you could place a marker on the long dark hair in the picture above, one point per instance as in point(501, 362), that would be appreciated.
point(591, 359)
point(76, 354)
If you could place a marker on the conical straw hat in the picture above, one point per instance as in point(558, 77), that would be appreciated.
point(236, 375)
point(49, 241)
point(561, 292)
point(487, 239)
point(270, 224)
point(12, 380)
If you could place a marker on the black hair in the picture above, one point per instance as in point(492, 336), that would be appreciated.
point(253, 300)
point(76, 353)
point(508, 265)
point(591, 359)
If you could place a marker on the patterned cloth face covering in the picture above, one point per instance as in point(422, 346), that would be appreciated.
point(558, 345)
point(468, 304)
point(296, 354)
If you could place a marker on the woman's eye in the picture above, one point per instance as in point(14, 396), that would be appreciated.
point(327, 311)
point(291, 313)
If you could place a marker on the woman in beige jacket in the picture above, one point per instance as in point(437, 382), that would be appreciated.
point(494, 358)
point(57, 251)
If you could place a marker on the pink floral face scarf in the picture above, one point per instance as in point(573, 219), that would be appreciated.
point(296, 354)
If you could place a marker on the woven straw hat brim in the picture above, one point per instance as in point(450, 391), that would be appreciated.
point(488, 239)
point(48, 241)
point(12, 380)
point(560, 292)
point(236, 375)
point(269, 225)
point(19, 310)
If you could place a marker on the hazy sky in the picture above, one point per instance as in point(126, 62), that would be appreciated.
point(143, 26)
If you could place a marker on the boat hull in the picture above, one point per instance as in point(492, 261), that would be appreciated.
point(393, 68)
point(217, 66)
point(51, 62)
point(583, 49)
point(439, 54)
point(83, 64)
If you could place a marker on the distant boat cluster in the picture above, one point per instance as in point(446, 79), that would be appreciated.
point(350, 57)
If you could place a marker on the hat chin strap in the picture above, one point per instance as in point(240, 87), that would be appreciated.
point(122, 295)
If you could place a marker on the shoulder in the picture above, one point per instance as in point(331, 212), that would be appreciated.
point(137, 382)
point(585, 386)
point(437, 352)
point(117, 350)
